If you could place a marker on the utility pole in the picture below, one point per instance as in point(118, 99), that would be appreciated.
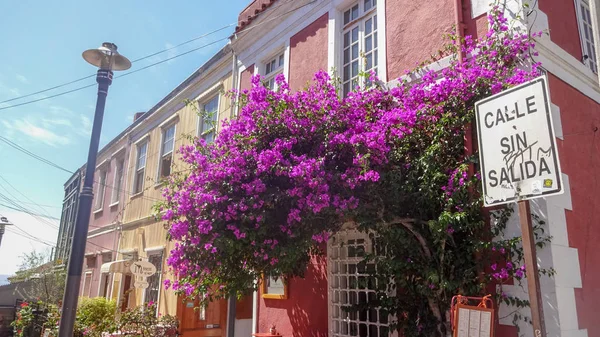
point(107, 59)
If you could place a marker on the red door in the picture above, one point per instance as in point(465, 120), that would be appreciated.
point(209, 321)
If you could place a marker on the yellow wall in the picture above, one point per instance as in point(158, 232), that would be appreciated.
point(140, 230)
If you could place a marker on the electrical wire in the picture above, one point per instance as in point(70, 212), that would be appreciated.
point(150, 65)
point(30, 213)
point(39, 207)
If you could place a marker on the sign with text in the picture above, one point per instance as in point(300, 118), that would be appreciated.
point(473, 321)
point(517, 147)
point(142, 268)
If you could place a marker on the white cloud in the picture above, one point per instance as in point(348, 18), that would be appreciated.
point(22, 79)
point(36, 132)
point(86, 123)
point(48, 123)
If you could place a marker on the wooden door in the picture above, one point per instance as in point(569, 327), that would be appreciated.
point(211, 321)
point(126, 291)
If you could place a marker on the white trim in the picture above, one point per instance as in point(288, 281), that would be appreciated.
point(102, 164)
point(381, 41)
point(91, 273)
point(142, 139)
point(172, 121)
point(118, 152)
point(138, 144)
point(166, 123)
point(209, 92)
point(200, 119)
point(154, 249)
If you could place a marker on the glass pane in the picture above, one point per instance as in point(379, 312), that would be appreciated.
point(346, 40)
point(383, 332)
point(368, 44)
point(346, 55)
point(376, 57)
point(346, 72)
point(355, 51)
point(362, 330)
point(375, 38)
point(367, 5)
point(354, 12)
point(372, 330)
point(355, 34)
point(346, 88)
point(374, 3)
point(368, 26)
point(281, 60)
point(346, 16)
point(375, 22)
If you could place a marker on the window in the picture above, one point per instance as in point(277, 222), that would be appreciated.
point(586, 34)
point(153, 290)
point(359, 43)
point(100, 191)
point(273, 68)
point(166, 152)
point(140, 166)
point(87, 284)
point(116, 193)
point(208, 119)
point(104, 283)
point(350, 284)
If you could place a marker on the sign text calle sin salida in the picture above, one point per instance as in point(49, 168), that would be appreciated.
point(517, 147)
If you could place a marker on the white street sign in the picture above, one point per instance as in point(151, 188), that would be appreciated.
point(517, 147)
point(142, 268)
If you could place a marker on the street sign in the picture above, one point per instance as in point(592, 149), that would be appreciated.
point(517, 147)
point(142, 268)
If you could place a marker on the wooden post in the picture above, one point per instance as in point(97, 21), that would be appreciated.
point(533, 279)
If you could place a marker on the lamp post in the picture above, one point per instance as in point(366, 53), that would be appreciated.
point(107, 59)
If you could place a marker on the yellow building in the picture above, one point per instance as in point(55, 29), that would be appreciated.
point(154, 144)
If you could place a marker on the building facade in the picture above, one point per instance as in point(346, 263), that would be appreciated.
point(345, 37)
point(67, 219)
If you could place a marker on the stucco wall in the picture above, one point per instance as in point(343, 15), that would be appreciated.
point(415, 32)
point(562, 22)
point(304, 313)
point(579, 155)
point(96, 246)
point(308, 53)
point(245, 78)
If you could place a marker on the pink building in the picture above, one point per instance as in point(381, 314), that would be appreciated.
point(110, 197)
point(298, 38)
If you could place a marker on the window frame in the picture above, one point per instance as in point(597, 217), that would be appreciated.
point(201, 118)
point(115, 196)
point(85, 282)
point(592, 60)
point(100, 190)
point(159, 271)
point(335, 261)
point(269, 73)
point(171, 152)
point(347, 27)
point(137, 170)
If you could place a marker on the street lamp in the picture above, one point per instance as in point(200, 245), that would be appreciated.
point(107, 59)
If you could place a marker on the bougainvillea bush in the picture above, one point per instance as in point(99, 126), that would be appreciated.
point(294, 167)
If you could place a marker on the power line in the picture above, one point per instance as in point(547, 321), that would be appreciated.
point(39, 207)
point(136, 60)
point(156, 63)
point(29, 212)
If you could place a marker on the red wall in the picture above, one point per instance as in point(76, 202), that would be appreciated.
point(580, 160)
point(308, 53)
point(245, 77)
point(562, 21)
point(415, 32)
point(304, 313)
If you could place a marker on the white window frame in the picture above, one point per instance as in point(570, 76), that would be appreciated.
point(271, 67)
point(170, 152)
point(117, 182)
point(136, 169)
point(101, 190)
point(586, 25)
point(335, 283)
point(85, 276)
point(202, 105)
point(150, 252)
point(105, 281)
point(358, 23)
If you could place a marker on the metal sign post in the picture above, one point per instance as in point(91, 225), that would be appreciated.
point(519, 162)
point(531, 270)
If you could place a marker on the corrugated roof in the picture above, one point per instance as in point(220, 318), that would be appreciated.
point(251, 12)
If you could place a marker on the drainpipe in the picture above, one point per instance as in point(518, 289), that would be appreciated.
point(234, 75)
point(255, 311)
point(231, 316)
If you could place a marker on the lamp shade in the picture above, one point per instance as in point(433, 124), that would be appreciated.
point(107, 57)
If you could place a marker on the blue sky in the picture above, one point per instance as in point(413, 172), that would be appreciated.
point(42, 45)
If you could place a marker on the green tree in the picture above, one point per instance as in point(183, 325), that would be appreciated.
point(38, 278)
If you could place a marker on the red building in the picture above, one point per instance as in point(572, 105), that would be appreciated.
point(298, 38)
